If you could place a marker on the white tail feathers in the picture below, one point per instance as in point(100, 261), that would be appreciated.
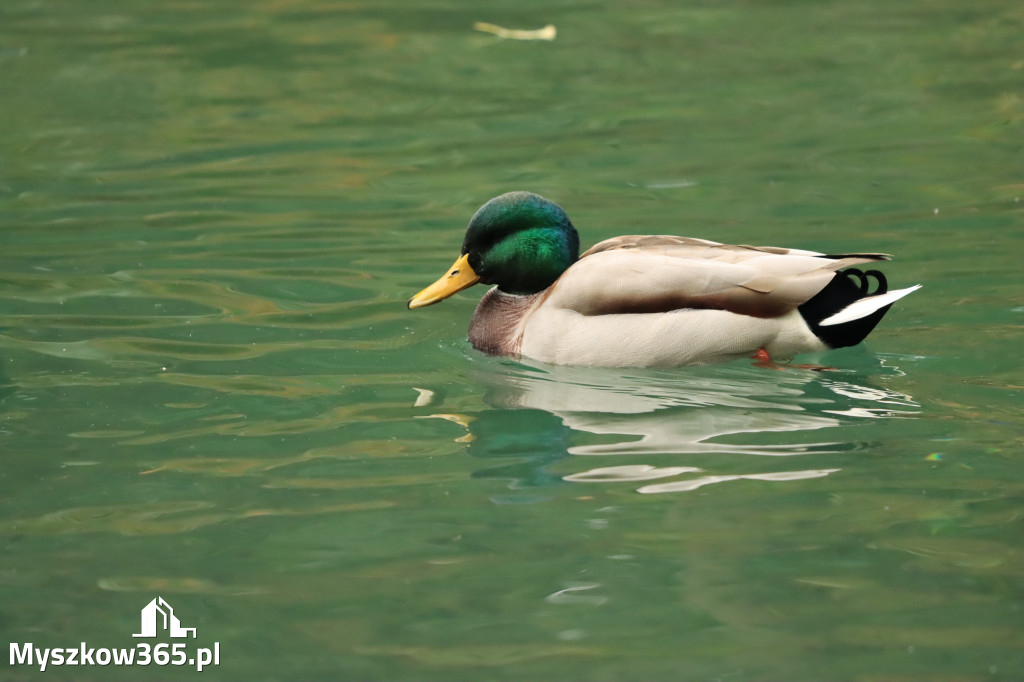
point(866, 306)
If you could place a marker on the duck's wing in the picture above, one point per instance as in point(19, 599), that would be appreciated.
point(668, 242)
point(659, 274)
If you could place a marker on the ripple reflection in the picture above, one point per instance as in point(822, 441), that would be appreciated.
point(718, 418)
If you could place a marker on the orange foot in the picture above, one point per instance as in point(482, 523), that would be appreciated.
point(762, 359)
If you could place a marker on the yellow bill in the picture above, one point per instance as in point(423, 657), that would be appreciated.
point(459, 277)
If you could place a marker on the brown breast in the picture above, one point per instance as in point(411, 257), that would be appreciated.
point(495, 328)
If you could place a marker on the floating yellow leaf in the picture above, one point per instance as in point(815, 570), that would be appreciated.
point(546, 33)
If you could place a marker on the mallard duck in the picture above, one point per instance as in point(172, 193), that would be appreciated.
point(651, 301)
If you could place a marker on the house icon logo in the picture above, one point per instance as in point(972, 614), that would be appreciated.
point(159, 614)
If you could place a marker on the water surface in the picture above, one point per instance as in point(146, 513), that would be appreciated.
point(212, 214)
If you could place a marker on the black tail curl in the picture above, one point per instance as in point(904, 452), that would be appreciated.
point(865, 284)
point(847, 286)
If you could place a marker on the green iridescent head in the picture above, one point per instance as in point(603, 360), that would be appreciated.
point(520, 241)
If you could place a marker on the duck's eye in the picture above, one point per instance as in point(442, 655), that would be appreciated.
point(453, 272)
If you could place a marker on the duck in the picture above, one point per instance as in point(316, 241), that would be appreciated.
point(652, 300)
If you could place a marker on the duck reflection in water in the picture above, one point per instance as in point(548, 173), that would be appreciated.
point(542, 414)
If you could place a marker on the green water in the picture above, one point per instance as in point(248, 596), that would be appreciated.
point(212, 214)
